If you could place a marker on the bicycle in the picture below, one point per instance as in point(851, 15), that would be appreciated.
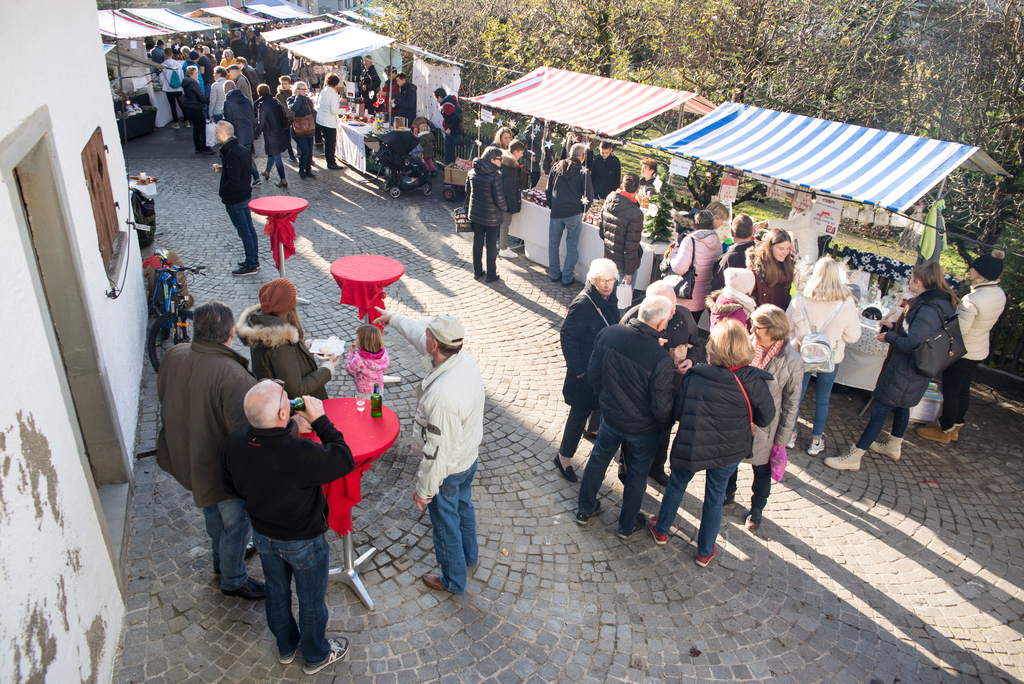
point(174, 322)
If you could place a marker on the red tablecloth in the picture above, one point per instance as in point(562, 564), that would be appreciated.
point(280, 211)
point(362, 279)
point(368, 438)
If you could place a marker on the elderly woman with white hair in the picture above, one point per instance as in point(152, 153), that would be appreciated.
point(592, 310)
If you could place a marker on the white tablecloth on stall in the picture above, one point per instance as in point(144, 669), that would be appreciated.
point(531, 226)
point(352, 145)
point(163, 108)
point(863, 360)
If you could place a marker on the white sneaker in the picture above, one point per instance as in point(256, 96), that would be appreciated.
point(891, 447)
point(851, 461)
point(816, 448)
point(507, 254)
point(339, 647)
point(791, 444)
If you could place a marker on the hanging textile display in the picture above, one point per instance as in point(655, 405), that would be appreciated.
point(878, 264)
point(933, 236)
point(429, 77)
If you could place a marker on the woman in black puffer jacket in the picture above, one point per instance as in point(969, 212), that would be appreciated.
point(485, 200)
point(900, 387)
point(717, 408)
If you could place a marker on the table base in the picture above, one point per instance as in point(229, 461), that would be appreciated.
point(349, 574)
point(281, 271)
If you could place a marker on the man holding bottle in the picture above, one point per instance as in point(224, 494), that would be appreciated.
point(446, 435)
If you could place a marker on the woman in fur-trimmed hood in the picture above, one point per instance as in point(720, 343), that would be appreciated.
point(273, 333)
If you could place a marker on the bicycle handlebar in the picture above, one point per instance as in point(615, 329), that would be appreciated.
point(179, 269)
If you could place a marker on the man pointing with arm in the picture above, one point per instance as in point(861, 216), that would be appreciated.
point(446, 435)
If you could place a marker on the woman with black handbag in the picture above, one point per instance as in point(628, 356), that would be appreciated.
point(694, 259)
point(901, 385)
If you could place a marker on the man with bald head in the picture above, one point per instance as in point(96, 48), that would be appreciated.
point(280, 477)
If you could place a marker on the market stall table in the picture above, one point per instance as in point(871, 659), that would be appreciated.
point(281, 212)
point(352, 144)
point(863, 360)
point(362, 279)
point(368, 438)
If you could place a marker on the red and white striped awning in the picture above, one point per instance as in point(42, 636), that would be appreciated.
point(593, 103)
point(119, 25)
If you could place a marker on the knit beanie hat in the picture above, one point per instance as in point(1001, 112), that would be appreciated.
point(277, 296)
point(990, 266)
point(739, 279)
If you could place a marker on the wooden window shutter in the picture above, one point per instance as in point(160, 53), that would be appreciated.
point(97, 177)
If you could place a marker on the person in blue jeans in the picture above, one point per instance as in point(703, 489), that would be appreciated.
point(569, 193)
point(631, 374)
point(235, 193)
point(280, 478)
point(717, 407)
point(446, 434)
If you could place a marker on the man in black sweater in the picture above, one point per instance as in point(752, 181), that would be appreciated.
point(736, 255)
point(235, 193)
point(607, 171)
point(569, 193)
point(281, 477)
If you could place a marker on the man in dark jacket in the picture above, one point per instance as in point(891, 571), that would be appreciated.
point(280, 477)
point(235, 193)
point(607, 171)
point(485, 203)
point(621, 226)
point(404, 103)
point(736, 256)
point(241, 82)
point(240, 46)
point(238, 111)
point(569, 187)
point(201, 387)
point(195, 109)
point(513, 180)
point(631, 373)
point(369, 84)
point(451, 115)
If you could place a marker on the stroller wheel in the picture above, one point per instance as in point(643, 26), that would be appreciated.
point(395, 192)
point(428, 188)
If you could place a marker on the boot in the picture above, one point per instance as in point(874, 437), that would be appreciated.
point(935, 433)
point(851, 461)
point(955, 434)
point(283, 183)
point(890, 447)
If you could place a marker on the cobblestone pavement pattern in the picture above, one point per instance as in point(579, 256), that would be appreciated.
point(909, 571)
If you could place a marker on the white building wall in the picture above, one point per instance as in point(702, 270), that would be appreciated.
point(61, 611)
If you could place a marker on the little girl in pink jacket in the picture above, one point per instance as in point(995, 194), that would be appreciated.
point(367, 359)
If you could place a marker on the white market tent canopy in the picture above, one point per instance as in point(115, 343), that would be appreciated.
point(292, 31)
point(279, 11)
point(127, 59)
point(866, 165)
point(174, 22)
point(227, 13)
point(593, 103)
point(336, 46)
point(119, 25)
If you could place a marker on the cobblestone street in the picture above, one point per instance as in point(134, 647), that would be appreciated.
point(909, 571)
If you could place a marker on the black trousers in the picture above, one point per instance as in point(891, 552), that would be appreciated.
point(198, 121)
point(489, 234)
point(762, 486)
point(956, 392)
point(174, 100)
point(573, 432)
point(330, 138)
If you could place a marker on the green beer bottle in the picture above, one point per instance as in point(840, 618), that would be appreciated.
point(297, 404)
point(375, 402)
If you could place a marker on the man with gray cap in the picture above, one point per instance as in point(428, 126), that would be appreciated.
point(446, 435)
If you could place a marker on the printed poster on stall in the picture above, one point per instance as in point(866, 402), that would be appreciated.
point(680, 167)
point(727, 192)
point(776, 191)
point(802, 200)
point(486, 116)
point(825, 215)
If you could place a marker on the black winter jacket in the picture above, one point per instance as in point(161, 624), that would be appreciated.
point(588, 314)
point(240, 48)
point(567, 185)
point(514, 180)
point(405, 103)
point(485, 195)
point(302, 106)
point(239, 113)
point(236, 174)
point(607, 175)
point(681, 329)
point(631, 374)
point(621, 226)
point(281, 477)
point(194, 97)
point(451, 113)
point(714, 420)
point(734, 257)
point(900, 385)
point(369, 84)
point(268, 124)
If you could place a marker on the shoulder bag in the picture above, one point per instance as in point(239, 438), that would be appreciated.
point(750, 409)
point(684, 290)
point(942, 348)
point(286, 115)
point(304, 125)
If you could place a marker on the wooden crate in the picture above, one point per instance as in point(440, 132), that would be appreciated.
point(454, 176)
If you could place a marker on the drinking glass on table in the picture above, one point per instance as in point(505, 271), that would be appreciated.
point(361, 399)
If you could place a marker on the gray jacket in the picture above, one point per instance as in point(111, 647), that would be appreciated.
point(787, 369)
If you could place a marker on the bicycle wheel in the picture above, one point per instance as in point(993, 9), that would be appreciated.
point(168, 330)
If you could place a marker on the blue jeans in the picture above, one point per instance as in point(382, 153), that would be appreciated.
point(450, 143)
point(571, 227)
point(639, 453)
point(304, 143)
point(228, 526)
point(242, 220)
point(275, 159)
point(454, 521)
point(217, 117)
point(822, 392)
point(879, 412)
point(307, 561)
point(715, 483)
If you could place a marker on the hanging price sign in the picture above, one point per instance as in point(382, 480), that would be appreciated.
point(486, 115)
point(727, 192)
point(776, 191)
point(802, 200)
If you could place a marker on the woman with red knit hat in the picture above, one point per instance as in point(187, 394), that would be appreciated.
point(273, 333)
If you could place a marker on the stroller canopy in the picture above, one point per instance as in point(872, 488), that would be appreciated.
point(400, 142)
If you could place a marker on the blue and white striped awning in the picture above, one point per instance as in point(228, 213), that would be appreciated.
point(881, 168)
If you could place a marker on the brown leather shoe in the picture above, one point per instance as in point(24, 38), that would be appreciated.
point(934, 433)
point(433, 580)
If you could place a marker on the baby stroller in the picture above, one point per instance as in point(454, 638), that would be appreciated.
point(401, 170)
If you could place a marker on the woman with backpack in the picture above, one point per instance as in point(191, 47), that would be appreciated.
point(900, 386)
point(825, 308)
point(171, 79)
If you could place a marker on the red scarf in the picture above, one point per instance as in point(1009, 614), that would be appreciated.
point(762, 356)
point(629, 196)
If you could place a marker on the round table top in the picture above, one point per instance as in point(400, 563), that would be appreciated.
point(366, 436)
point(277, 204)
point(367, 268)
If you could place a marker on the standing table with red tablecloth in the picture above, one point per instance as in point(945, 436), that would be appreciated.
point(281, 212)
point(362, 279)
point(368, 438)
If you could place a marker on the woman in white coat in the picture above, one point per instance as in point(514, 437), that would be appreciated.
point(977, 314)
point(327, 112)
